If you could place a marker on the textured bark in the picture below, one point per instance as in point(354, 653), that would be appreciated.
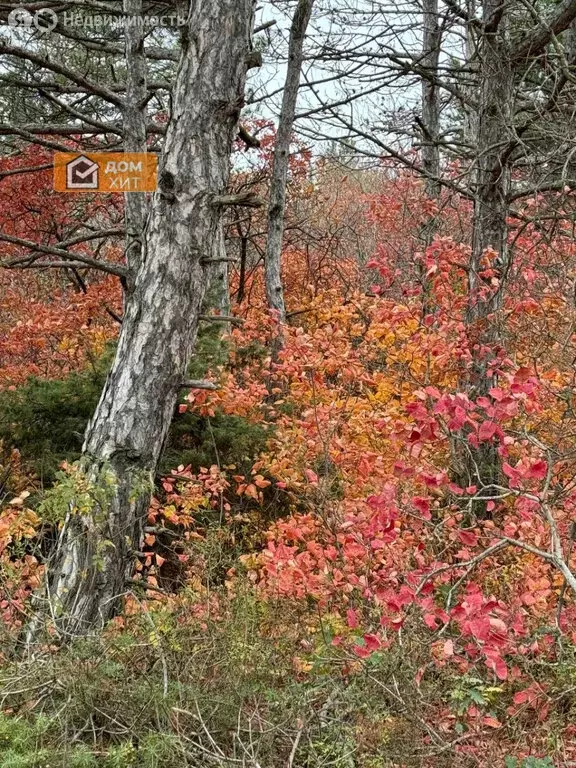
point(495, 134)
point(471, 114)
point(536, 40)
point(492, 163)
point(491, 183)
point(430, 98)
point(96, 550)
point(220, 282)
point(135, 129)
point(431, 129)
point(277, 207)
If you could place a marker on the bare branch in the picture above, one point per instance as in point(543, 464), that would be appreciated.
point(244, 199)
point(113, 269)
point(535, 43)
point(196, 384)
point(70, 74)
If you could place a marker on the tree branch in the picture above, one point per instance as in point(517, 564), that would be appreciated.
point(70, 74)
point(113, 269)
point(535, 43)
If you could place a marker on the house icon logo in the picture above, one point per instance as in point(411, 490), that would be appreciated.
point(105, 172)
point(82, 173)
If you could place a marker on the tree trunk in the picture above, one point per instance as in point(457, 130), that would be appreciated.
point(111, 488)
point(494, 134)
point(431, 130)
point(243, 259)
point(492, 173)
point(471, 114)
point(491, 183)
point(430, 99)
point(218, 296)
point(277, 207)
point(135, 129)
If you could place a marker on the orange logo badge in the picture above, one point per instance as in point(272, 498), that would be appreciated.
point(105, 172)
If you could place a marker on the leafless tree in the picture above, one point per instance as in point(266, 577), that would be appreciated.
point(277, 204)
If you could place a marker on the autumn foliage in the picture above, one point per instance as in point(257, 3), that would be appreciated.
point(357, 512)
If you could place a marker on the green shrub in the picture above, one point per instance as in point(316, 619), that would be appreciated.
point(22, 745)
point(202, 441)
point(213, 679)
point(172, 690)
point(529, 762)
point(46, 419)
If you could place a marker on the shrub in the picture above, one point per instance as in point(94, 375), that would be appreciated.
point(46, 419)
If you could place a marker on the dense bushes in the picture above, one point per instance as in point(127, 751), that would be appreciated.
point(208, 679)
point(45, 420)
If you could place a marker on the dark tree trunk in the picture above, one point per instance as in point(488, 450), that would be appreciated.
point(430, 98)
point(494, 132)
point(494, 137)
point(104, 520)
point(471, 114)
point(431, 130)
point(243, 260)
point(491, 184)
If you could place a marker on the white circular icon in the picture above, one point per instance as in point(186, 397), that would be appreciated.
point(44, 20)
point(20, 17)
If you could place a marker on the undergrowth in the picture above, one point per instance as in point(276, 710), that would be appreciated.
point(210, 678)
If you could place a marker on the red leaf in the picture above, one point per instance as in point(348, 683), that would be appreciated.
point(538, 470)
point(423, 506)
point(522, 375)
point(512, 473)
point(480, 628)
point(524, 696)
point(491, 722)
point(487, 430)
point(498, 664)
point(372, 643)
point(430, 620)
point(468, 538)
point(311, 476)
point(528, 598)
